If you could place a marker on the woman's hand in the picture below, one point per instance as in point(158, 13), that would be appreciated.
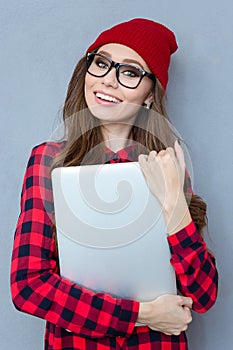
point(169, 314)
point(165, 173)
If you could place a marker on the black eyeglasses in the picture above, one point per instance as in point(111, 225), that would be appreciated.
point(127, 75)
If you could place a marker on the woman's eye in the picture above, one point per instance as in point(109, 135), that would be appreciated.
point(131, 73)
point(101, 64)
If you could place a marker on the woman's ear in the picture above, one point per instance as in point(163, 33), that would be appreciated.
point(149, 98)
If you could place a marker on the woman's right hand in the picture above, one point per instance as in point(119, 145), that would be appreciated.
point(169, 314)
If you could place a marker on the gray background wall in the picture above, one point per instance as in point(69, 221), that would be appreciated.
point(40, 42)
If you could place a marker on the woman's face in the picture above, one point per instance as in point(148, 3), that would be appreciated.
point(107, 99)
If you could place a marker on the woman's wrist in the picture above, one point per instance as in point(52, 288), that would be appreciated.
point(177, 216)
point(144, 312)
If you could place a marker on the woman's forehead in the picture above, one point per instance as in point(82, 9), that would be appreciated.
point(121, 53)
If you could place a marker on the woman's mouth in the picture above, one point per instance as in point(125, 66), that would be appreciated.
point(107, 98)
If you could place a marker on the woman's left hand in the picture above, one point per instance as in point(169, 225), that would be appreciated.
point(165, 172)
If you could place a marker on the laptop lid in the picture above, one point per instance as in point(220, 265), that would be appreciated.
point(111, 231)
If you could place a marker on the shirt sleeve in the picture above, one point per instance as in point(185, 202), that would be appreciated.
point(195, 267)
point(36, 286)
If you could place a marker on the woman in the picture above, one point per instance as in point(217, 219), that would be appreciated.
point(114, 94)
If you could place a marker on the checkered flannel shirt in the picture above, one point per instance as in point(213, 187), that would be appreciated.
point(78, 318)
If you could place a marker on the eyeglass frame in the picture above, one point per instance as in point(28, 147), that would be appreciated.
point(117, 66)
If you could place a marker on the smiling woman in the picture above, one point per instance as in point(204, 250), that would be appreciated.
point(115, 112)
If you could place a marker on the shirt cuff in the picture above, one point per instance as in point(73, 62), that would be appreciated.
point(184, 238)
point(128, 317)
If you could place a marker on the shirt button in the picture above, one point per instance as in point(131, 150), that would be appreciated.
point(115, 157)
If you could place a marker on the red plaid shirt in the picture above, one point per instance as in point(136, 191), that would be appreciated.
point(76, 317)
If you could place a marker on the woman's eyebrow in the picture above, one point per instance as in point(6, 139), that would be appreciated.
point(126, 60)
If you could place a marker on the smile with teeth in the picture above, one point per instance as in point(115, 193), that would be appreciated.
point(107, 97)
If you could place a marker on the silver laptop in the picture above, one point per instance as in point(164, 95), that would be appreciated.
point(111, 231)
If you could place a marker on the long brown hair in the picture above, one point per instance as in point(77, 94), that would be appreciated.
point(83, 134)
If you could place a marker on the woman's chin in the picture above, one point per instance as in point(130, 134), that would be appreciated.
point(115, 113)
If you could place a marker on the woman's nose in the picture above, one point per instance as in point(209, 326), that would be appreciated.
point(110, 79)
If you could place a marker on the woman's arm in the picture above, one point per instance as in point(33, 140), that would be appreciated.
point(36, 285)
point(194, 265)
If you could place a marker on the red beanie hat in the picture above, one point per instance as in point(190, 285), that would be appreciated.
point(151, 40)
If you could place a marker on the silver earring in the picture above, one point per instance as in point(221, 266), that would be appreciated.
point(148, 105)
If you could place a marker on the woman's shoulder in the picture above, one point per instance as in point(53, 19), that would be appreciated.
point(43, 154)
point(48, 148)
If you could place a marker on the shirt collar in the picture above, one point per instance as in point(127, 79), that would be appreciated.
point(127, 154)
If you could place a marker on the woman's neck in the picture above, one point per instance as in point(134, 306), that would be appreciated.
point(117, 136)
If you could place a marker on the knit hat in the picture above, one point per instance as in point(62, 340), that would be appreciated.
point(151, 40)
